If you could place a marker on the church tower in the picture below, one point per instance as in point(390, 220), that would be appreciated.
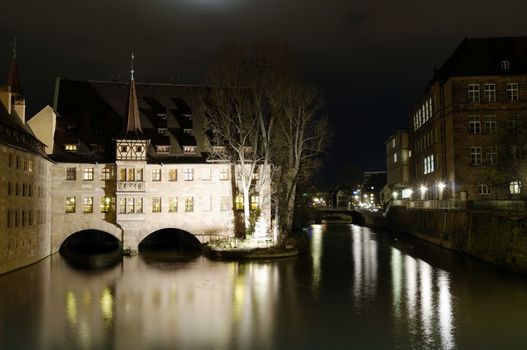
point(13, 99)
point(130, 158)
point(132, 144)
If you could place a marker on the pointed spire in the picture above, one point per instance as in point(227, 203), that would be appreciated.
point(133, 119)
point(13, 81)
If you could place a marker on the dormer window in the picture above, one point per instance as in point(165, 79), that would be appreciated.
point(187, 131)
point(505, 65)
point(98, 148)
point(70, 147)
point(162, 131)
point(189, 149)
point(163, 149)
point(124, 149)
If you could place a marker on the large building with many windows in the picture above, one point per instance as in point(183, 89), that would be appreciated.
point(480, 90)
point(123, 158)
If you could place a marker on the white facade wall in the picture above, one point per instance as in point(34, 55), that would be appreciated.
point(25, 218)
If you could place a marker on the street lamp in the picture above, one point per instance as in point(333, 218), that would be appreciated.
point(441, 187)
point(395, 194)
point(423, 190)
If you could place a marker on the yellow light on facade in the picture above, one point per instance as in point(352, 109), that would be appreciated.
point(441, 186)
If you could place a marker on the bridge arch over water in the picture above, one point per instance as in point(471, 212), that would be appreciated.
point(170, 238)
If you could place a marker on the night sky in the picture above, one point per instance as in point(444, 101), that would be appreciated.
point(371, 59)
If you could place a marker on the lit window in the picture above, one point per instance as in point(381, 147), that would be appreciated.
point(512, 92)
point(71, 173)
point(393, 142)
point(189, 149)
point(172, 204)
point(131, 174)
point(30, 165)
point(106, 174)
point(187, 131)
point(87, 205)
point(71, 147)
point(515, 187)
point(163, 149)
point(256, 175)
point(484, 189)
point(122, 174)
point(224, 203)
point(505, 65)
point(156, 174)
point(474, 125)
point(70, 205)
point(473, 92)
point(224, 174)
point(189, 204)
point(162, 131)
point(139, 174)
point(475, 155)
point(130, 205)
point(254, 202)
point(395, 157)
point(489, 92)
point(239, 202)
point(490, 124)
point(122, 206)
point(138, 205)
point(156, 204)
point(189, 174)
point(105, 204)
point(88, 174)
point(172, 175)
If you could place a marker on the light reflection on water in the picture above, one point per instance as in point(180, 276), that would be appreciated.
point(354, 289)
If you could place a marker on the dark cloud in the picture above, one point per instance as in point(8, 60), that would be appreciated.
point(370, 75)
point(355, 19)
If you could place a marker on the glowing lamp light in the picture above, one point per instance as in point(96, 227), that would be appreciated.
point(395, 194)
point(441, 186)
point(423, 189)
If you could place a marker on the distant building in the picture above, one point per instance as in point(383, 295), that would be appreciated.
point(480, 89)
point(397, 165)
point(373, 183)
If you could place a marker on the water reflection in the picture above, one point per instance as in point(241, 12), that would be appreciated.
point(428, 318)
point(400, 298)
point(316, 255)
point(364, 249)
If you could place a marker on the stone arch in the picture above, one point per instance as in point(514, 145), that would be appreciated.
point(179, 234)
point(61, 233)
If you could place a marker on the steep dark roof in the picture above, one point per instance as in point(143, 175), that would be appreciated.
point(483, 56)
point(94, 112)
point(18, 135)
point(13, 80)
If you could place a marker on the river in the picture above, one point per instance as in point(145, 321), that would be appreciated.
point(354, 289)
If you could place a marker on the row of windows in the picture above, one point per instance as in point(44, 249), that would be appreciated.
point(23, 163)
point(489, 123)
point(426, 140)
point(136, 174)
point(21, 217)
point(423, 114)
point(135, 205)
point(24, 190)
point(489, 92)
point(515, 187)
point(429, 165)
point(476, 155)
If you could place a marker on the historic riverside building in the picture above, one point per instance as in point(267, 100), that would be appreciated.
point(480, 89)
point(124, 158)
point(397, 166)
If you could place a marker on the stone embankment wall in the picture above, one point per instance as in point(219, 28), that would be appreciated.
point(499, 237)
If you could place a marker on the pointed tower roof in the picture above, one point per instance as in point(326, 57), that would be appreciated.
point(13, 80)
point(133, 122)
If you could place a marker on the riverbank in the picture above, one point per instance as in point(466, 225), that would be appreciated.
point(247, 251)
point(498, 237)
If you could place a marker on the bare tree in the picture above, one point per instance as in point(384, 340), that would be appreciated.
point(264, 117)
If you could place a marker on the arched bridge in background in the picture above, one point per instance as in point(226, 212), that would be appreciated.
point(337, 215)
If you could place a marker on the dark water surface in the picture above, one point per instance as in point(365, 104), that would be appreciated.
point(355, 289)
